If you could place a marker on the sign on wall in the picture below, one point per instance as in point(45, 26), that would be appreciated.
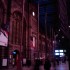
point(3, 38)
point(4, 62)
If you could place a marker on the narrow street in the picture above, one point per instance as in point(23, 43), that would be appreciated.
point(61, 66)
point(34, 34)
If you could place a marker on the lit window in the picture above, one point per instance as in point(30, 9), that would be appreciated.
point(64, 50)
point(14, 52)
point(62, 54)
point(53, 41)
point(33, 41)
point(59, 29)
point(56, 53)
point(59, 40)
point(62, 36)
point(61, 50)
point(56, 50)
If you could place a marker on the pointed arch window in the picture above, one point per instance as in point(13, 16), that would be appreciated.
point(16, 28)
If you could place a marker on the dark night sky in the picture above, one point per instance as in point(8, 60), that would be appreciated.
point(50, 7)
point(47, 7)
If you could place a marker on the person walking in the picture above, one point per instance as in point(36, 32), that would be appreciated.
point(37, 64)
point(47, 64)
point(54, 64)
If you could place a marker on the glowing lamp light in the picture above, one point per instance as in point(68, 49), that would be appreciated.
point(69, 26)
point(61, 56)
point(53, 41)
point(56, 50)
point(62, 36)
point(59, 29)
point(56, 35)
point(10, 56)
point(33, 41)
point(61, 50)
point(14, 52)
point(64, 50)
point(33, 13)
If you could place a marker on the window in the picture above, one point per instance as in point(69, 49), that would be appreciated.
point(16, 27)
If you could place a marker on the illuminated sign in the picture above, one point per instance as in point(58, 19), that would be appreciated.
point(3, 38)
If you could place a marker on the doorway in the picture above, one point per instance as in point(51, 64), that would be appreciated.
point(16, 57)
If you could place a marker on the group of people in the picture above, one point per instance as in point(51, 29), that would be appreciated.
point(47, 65)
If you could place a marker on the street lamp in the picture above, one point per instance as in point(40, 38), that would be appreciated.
point(33, 13)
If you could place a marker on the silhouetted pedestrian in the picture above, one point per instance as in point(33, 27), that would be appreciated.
point(37, 64)
point(57, 60)
point(54, 64)
point(47, 64)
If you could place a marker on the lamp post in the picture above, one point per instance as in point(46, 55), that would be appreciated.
point(38, 34)
point(46, 46)
point(9, 2)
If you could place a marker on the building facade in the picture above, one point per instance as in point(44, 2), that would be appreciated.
point(20, 20)
point(23, 31)
point(3, 31)
point(63, 17)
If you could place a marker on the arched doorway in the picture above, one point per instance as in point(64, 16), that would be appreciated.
point(16, 57)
